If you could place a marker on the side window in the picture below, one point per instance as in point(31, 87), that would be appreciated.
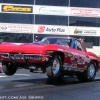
point(46, 42)
point(78, 45)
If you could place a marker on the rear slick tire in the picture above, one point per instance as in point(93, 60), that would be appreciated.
point(89, 74)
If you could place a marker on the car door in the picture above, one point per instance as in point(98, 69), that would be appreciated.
point(68, 55)
point(79, 55)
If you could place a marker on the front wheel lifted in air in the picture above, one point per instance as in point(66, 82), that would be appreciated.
point(9, 68)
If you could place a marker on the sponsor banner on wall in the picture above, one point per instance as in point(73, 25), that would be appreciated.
point(52, 10)
point(67, 11)
point(88, 12)
point(17, 28)
point(16, 8)
point(83, 31)
point(51, 29)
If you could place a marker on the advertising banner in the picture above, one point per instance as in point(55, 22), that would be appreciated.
point(52, 10)
point(16, 8)
point(88, 12)
point(17, 28)
point(47, 29)
point(83, 31)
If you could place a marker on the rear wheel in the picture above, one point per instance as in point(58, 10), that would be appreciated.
point(89, 74)
point(9, 68)
point(54, 67)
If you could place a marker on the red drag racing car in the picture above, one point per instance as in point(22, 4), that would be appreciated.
point(57, 56)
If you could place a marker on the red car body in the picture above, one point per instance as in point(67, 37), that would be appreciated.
point(68, 57)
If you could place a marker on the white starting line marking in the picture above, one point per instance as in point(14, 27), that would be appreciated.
point(3, 76)
point(23, 74)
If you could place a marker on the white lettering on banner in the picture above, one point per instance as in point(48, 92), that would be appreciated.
point(85, 12)
point(51, 10)
point(16, 28)
point(42, 29)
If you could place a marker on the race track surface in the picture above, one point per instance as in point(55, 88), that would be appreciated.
point(36, 86)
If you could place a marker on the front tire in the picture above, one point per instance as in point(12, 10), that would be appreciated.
point(54, 68)
point(9, 68)
point(89, 74)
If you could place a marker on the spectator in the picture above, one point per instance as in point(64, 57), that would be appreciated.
point(82, 39)
point(36, 39)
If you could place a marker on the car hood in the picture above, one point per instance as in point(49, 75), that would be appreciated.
point(29, 48)
point(7, 47)
point(14, 47)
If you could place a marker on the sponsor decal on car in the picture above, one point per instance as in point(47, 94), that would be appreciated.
point(15, 8)
point(85, 66)
point(87, 60)
point(60, 49)
point(72, 58)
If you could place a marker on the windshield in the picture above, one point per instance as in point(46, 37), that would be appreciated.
point(60, 41)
